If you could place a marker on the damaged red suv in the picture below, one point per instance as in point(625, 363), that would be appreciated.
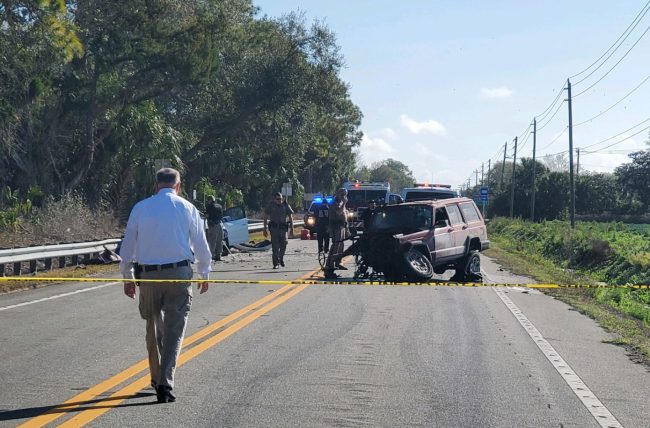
point(414, 240)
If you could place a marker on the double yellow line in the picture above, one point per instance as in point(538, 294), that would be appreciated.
point(94, 408)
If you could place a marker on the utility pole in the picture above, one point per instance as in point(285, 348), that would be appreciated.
point(503, 167)
point(532, 195)
point(512, 181)
point(482, 172)
point(476, 172)
point(488, 177)
point(572, 184)
point(578, 165)
point(487, 203)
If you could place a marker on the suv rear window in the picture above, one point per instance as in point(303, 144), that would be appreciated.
point(427, 195)
point(408, 218)
point(469, 212)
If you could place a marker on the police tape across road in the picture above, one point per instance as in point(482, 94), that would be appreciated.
point(316, 281)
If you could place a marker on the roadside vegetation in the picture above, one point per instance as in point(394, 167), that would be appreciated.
point(609, 257)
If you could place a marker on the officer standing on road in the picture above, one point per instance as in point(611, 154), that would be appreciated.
point(338, 216)
point(214, 216)
point(366, 217)
point(281, 222)
point(322, 226)
point(163, 236)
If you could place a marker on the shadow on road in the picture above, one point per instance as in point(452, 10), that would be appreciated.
point(79, 406)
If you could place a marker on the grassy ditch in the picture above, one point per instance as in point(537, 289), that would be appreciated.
point(591, 254)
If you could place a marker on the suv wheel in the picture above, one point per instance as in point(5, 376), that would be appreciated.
point(418, 267)
point(469, 268)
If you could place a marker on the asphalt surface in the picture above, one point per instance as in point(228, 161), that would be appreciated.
point(317, 355)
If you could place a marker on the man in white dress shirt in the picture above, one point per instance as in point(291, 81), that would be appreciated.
point(164, 235)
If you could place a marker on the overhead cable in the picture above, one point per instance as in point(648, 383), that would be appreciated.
point(555, 139)
point(616, 143)
point(614, 66)
point(554, 114)
point(630, 28)
point(617, 135)
point(643, 11)
point(615, 104)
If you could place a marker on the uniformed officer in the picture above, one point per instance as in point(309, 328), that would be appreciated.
point(366, 217)
point(214, 216)
point(279, 221)
point(338, 216)
point(322, 226)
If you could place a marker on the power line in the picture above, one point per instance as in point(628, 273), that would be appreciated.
point(613, 44)
point(543, 115)
point(615, 104)
point(614, 66)
point(618, 142)
point(619, 45)
point(554, 139)
point(539, 128)
point(617, 135)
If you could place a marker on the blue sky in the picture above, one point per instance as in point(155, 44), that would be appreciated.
point(443, 84)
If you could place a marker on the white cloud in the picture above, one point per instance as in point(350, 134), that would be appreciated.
point(388, 133)
point(374, 149)
point(431, 126)
point(500, 92)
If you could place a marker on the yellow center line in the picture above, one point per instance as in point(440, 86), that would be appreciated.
point(84, 397)
point(130, 390)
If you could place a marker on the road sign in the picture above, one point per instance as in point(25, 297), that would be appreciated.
point(287, 189)
point(484, 193)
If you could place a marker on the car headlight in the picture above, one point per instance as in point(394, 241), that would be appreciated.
point(350, 214)
point(310, 221)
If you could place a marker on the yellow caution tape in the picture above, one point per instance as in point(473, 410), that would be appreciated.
point(317, 281)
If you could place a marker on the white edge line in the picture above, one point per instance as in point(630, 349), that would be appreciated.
point(83, 290)
point(579, 388)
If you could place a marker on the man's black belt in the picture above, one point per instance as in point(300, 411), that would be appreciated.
point(150, 268)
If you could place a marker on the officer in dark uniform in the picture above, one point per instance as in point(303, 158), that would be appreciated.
point(322, 226)
point(214, 216)
point(366, 217)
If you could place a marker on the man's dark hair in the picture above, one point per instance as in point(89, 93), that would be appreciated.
point(167, 176)
point(278, 194)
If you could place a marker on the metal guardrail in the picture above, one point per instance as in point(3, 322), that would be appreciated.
point(50, 254)
point(259, 226)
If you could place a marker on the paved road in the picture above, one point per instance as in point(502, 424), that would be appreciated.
point(318, 355)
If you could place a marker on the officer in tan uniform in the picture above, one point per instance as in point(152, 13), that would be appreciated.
point(278, 221)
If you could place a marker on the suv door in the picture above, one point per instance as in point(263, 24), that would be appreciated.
point(236, 225)
point(459, 227)
point(443, 238)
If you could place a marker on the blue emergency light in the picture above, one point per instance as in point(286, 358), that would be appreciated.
point(329, 199)
point(318, 200)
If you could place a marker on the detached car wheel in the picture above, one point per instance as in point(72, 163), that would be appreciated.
point(418, 267)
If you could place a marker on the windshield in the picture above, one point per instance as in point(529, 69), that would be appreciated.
point(428, 195)
point(360, 197)
point(402, 218)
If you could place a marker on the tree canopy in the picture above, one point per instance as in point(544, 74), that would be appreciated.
point(95, 95)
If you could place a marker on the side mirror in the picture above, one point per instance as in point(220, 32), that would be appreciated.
point(227, 218)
